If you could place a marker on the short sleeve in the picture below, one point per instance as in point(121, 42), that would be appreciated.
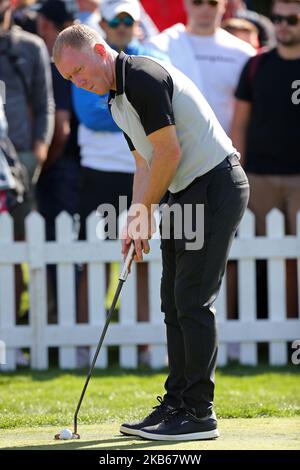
point(244, 89)
point(150, 91)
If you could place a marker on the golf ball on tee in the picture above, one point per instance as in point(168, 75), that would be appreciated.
point(66, 434)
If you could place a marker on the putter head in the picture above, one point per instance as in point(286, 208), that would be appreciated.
point(75, 435)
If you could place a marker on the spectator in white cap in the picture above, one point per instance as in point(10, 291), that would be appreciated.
point(111, 9)
point(114, 10)
point(120, 21)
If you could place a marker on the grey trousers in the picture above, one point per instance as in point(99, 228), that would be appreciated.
point(191, 281)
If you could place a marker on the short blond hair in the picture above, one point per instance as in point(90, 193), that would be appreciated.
point(77, 36)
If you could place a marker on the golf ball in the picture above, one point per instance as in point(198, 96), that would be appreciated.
point(66, 434)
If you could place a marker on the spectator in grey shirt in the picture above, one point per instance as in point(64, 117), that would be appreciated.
point(25, 70)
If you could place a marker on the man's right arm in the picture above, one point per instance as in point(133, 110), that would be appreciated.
point(240, 124)
point(242, 111)
point(141, 176)
point(140, 179)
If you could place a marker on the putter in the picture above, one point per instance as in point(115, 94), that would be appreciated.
point(122, 279)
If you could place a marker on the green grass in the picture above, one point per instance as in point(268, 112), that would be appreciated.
point(236, 434)
point(32, 398)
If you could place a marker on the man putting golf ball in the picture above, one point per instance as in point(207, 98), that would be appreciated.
point(180, 149)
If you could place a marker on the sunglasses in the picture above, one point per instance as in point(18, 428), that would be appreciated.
point(126, 21)
point(291, 20)
point(211, 3)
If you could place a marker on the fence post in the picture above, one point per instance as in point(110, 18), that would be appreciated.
point(276, 287)
point(66, 289)
point(7, 291)
point(35, 235)
point(96, 291)
point(247, 289)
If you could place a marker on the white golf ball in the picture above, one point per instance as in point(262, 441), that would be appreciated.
point(66, 434)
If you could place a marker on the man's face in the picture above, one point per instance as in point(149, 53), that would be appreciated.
point(283, 14)
point(205, 13)
point(120, 30)
point(86, 68)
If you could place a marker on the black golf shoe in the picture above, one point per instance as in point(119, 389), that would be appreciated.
point(182, 425)
point(156, 416)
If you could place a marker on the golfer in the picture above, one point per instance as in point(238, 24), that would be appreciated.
point(180, 148)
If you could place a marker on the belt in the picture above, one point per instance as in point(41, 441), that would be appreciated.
point(230, 161)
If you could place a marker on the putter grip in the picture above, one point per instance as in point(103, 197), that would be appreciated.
point(127, 263)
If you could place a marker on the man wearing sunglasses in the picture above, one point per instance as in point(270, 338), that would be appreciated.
point(120, 20)
point(266, 128)
point(207, 54)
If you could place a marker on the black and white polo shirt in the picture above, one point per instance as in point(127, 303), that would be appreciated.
point(151, 95)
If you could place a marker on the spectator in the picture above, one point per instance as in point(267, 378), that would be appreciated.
point(24, 15)
point(25, 69)
point(58, 185)
point(232, 7)
point(3, 121)
point(242, 29)
point(107, 164)
point(207, 54)
point(89, 13)
point(238, 9)
point(3, 135)
point(145, 28)
point(13, 176)
point(213, 59)
point(266, 128)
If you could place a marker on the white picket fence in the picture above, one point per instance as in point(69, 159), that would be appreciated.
point(127, 333)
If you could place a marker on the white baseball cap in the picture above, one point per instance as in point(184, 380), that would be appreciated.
point(111, 8)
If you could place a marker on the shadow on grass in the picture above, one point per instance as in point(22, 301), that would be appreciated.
point(133, 443)
point(235, 370)
point(54, 373)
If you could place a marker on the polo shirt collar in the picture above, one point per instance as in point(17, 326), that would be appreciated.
point(119, 72)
